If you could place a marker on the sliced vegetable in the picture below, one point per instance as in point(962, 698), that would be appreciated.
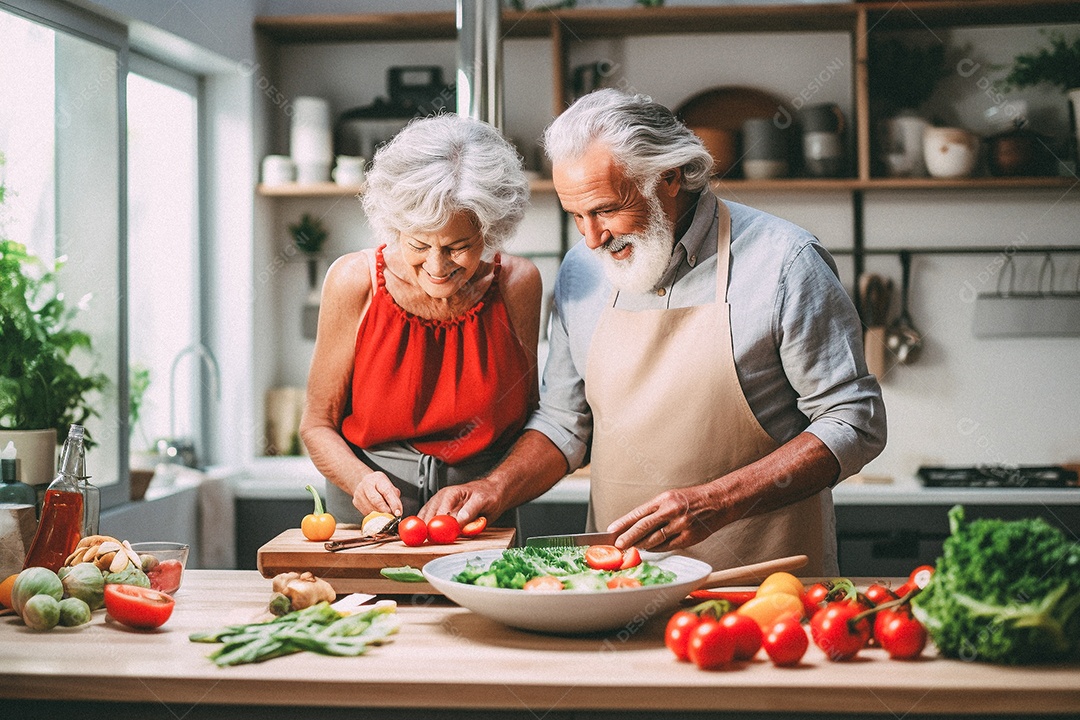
point(544, 583)
point(138, 607)
point(375, 522)
point(623, 581)
point(603, 557)
point(474, 528)
point(319, 525)
point(405, 573)
point(165, 575)
point(631, 557)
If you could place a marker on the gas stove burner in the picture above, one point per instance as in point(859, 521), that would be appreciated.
point(999, 476)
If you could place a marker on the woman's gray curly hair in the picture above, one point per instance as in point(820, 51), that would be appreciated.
point(645, 138)
point(440, 166)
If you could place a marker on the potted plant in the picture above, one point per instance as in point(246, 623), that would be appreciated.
point(309, 236)
point(41, 388)
point(902, 77)
point(1057, 65)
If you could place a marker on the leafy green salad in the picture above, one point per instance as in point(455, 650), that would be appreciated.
point(518, 566)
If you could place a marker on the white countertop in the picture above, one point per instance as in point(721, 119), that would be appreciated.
point(284, 478)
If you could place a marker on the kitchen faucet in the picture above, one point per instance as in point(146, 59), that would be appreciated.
point(183, 449)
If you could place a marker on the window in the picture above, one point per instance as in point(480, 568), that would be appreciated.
point(163, 256)
point(60, 130)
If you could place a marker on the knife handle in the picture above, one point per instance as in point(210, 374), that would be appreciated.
point(754, 572)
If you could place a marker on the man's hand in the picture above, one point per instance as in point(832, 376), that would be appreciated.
point(375, 491)
point(673, 519)
point(466, 502)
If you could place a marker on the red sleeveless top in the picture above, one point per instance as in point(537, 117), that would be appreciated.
point(450, 388)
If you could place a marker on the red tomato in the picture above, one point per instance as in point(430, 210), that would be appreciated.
point(835, 635)
point(443, 529)
point(138, 607)
point(544, 583)
point(475, 527)
point(165, 576)
point(786, 642)
point(920, 576)
point(746, 633)
point(677, 632)
point(603, 557)
point(630, 558)
point(710, 645)
point(879, 594)
point(813, 598)
point(621, 581)
point(901, 635)
point(905, 589)
point(413, 531)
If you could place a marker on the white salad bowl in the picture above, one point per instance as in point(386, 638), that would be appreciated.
point(566, 612)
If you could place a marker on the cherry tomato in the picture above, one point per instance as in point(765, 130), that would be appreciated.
point(813, 598)
point(603, 557)
point(920, 576)
point(621, 581)
point(474, 528)
point(901, 635)
point(677, 632)
point(786, 642)
point(630, 558)
point(413, 531)
point(543, 583)
point(734, 597)
point(905, 589)
point(745, 632)
point(138, 607)
point(443, 529)
point(879, 594)
point(710, 645)
point(835, 635)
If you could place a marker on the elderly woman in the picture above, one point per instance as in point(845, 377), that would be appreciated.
point(424, 369)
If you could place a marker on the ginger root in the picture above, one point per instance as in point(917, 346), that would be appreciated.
point(296, 591)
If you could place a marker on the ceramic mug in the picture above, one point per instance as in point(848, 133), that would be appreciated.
point(311, 172)
point(949, 152)
point(349, 170)
point(278, 170)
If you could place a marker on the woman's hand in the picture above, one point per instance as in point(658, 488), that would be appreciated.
point(375, 492)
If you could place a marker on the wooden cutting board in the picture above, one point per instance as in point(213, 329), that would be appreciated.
point(357, 569)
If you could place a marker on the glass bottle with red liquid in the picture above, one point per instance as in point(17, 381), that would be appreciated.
point(63, 514)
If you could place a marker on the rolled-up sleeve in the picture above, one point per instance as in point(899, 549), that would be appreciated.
point(564, 415)
point(820, 340)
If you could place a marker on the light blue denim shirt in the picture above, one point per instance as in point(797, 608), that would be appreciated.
point(797, 338)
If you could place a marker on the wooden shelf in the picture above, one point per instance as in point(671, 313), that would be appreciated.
point(922, 14)
point(362, 27)
point(926, 183)
point(541, 186)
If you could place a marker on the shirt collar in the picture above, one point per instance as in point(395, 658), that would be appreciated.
point(692, 242)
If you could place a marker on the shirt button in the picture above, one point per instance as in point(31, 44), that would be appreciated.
point(692, 260)
point(661, 292)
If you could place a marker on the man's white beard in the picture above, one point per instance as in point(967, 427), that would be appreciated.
point(641, 272)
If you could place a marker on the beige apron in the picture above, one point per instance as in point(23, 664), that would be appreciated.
point(668, 412)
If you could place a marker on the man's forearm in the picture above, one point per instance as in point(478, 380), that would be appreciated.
point(798, 469)
point(532, 467)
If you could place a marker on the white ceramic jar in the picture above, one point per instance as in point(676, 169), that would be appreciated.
point(949, 152)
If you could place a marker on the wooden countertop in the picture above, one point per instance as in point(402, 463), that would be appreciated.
point(447, 657)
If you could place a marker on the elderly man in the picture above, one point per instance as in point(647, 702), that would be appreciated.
point(703, 353)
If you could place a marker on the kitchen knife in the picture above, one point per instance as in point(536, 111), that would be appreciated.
point(604, 538)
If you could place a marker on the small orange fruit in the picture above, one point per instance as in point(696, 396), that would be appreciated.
point(5, 589)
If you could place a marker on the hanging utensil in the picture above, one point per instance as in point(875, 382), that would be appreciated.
point(875, 293)
point(902, 337)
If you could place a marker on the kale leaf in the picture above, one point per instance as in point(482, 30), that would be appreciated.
point(1004, 592)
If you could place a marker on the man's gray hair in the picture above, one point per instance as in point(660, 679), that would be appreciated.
point(645, 138)
point(440, 166)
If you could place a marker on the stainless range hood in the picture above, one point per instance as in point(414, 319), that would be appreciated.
point(479, 61)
